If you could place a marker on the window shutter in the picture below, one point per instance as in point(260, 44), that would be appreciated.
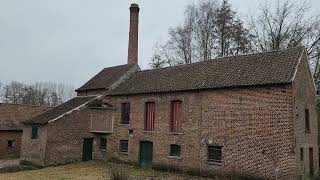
point(149, 116)
point(176, 113)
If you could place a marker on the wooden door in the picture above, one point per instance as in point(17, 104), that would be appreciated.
point(87, 149)
point(146, 153)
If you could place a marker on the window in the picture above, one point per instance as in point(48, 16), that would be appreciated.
point(301, 154)
point(103, 143)
point(149, 116)
point(125, 113)
point(34, 133)
point(215, 154)
point(307, 120)
point(124, 146)
point(175, 122)
point(10, 143)
point(175, 150)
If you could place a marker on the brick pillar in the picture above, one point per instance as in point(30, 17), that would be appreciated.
point(133, 34)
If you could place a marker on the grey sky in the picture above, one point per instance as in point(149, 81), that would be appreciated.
point(69, 41)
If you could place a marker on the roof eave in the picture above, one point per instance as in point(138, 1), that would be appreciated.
point(203, 89)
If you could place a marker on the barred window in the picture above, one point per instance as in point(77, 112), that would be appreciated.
point(125, 113)
point(123, 145)
point(175, 150)
point(215, 154)
point(34, 133)
point(103, 143)
point(10, 143)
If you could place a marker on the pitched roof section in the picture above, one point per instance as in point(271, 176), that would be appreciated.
point(11, 115)
point(105, 78)
point(60, 110)
point(276, 67)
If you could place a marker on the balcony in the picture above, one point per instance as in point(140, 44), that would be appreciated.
point(102, 123)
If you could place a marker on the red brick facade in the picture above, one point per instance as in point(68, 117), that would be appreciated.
point(260, 130)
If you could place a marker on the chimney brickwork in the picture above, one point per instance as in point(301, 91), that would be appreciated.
point(133, 34)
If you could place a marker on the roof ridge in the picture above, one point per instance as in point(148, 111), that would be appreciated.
point(221, 58)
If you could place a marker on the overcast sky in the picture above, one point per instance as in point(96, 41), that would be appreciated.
point(69, 41)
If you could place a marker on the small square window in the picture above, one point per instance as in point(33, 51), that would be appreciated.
point(124, 146)
point(103, 143)
point(10, 144)
point(35, 133)
point(215, 154)
point(175, 150)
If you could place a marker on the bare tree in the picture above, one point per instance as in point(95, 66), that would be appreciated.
point(40, 93)
point(283, 25)
point(210, 29)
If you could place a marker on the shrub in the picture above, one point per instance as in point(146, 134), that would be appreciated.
point(118, 173)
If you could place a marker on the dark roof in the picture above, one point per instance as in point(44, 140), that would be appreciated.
point(11, 115)
point(106, 77)
point(276, 67)
point(59, 110)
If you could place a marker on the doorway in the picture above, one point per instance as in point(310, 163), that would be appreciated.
point(146, 153)
point(87, 149)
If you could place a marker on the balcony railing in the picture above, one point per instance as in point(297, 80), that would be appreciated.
point(102, 123)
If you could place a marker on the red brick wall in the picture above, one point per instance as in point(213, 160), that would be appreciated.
point(65, 136)
point(255, 128)
point(34, 150)
point(161, 137)
point(250, 124)
point(5, 151)
point(305, 98)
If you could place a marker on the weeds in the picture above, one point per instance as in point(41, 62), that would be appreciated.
point(119, 173)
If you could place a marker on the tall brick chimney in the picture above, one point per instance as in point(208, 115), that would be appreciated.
point(133, 34)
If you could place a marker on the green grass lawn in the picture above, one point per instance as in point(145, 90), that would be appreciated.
point(93, 170)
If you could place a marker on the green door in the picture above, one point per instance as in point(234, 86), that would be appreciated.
point(87, 149)
point(146, 151)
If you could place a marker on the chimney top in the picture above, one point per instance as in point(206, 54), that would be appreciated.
point(134, 7)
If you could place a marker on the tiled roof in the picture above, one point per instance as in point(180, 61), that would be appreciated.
point(11, 115)
point(60, 110)
point(106, 77)
point(275, 67)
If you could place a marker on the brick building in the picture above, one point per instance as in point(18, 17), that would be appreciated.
point(250, 114)
point(10, 128)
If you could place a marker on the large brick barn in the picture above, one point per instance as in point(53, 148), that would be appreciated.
point(250, 114)
point(11, 129)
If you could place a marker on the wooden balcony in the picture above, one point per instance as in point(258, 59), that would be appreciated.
point(102, 123)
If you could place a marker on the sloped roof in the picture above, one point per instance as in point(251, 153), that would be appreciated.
point(11, 115)
point(275, 67)
point(106, 77)
point(60, 110)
